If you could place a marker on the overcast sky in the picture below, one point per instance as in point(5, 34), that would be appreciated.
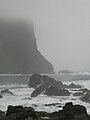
point(62, 29)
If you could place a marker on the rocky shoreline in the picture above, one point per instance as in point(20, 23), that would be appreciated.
point(69, 112)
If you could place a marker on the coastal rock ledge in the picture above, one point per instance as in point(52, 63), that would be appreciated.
point(69, 112)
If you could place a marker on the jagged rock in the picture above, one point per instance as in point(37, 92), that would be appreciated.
point(53, 104)
point(78, 94)
point(58, 84)
point(85, 97)
point(72, 85)
point(84, 90)
point(6, 92)
point(18, 50)
point(35, 80)
point(43, 84)
point(69, 112)
point(38, 90)
point(0, 96)
point(53, 91)
point(75, 112)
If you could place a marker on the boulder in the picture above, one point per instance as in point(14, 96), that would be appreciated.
point(35, 80)
point(58, 84)
point(85, 97)
point(85, 90)
point(53, 91)
point(0, 96)
point(6, 92)
point(78, 94)
point(72, 85)
point(74, 112)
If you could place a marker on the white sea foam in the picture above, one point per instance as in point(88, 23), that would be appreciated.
point(22, 96)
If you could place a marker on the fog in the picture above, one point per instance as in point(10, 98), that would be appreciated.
point(62, 29)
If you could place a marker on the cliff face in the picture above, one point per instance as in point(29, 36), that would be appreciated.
point(18, 50)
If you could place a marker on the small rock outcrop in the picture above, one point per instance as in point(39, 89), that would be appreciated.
point(78, 94)
point(72, 85)
point(85, 97)
point(6, 92)
point(53, 91)
point(85, 90)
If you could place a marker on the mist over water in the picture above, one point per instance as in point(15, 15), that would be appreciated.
point(61, 29)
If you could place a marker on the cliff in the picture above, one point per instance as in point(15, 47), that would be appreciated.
point(18, 50)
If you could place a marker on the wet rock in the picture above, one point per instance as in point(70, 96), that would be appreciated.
point(0, 96)
point(69, 112)
point(6, 92)
point(72, 85)
point(43, 83)
point(85, 97)
point(35, 80)
point(78, 94)
point(46, 82)
point(75, 112)
point(53, 104)
point(58, 84)
point(84, 90)
point(52, 91)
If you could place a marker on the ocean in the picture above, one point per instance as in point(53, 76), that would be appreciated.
point(18, 85)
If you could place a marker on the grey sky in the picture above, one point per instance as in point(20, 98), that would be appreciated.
point(62, 29)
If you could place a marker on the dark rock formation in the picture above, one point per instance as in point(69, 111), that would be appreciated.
point(35, 80)
point(69, 112)
point(18, 50)
point(85, 97)
point(85, 90)
point(53, 91)
point(45, 84)
point(0, 96)
point(6, 92)
point(72, 85)
point(75, 112)
point(78, 94)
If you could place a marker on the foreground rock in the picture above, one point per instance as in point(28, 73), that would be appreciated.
point(49, 86)
point(69, 112)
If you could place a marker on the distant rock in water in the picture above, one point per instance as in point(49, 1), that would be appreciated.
point(65, 72)
point(18, 50)
point(6, 92)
